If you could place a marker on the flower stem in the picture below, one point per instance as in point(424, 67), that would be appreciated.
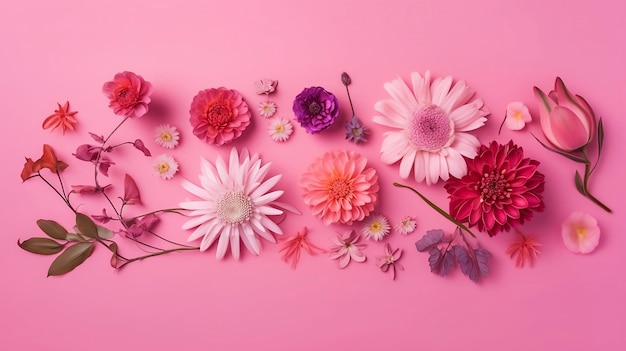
point(437, 208)
point(157, 254)
point(588, 170)
point(65, 199)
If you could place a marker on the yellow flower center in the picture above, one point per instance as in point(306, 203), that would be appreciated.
point(279, 128)
point(376, 227)
point(518, 115)
point(166, 136)
point(356, 132)
point(581, 232)
point(163, 167)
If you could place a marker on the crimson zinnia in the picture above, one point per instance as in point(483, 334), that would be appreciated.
point(501, 189)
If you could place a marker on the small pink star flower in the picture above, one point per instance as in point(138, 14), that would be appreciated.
point(390, 260)
point(581, 233)
point(346, 247)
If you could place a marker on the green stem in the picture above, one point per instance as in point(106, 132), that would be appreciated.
point(437, 208)
point(588, 170)
point(157, 254)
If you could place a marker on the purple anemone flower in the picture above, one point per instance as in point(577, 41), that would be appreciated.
point(315, 109)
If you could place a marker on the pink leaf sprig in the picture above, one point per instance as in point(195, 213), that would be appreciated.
point(292, 247)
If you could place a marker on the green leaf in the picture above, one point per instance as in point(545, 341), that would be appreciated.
point(104, 233)
point(579, 184)
point(564, 154)
point(41, 246)
point(76, 238)
point(52, 229)
point(71, 258)
point(86, 226)
point(114, 257)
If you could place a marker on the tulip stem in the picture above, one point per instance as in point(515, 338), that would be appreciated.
point(588, 170)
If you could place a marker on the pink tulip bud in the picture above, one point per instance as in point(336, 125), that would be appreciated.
point(567, 120)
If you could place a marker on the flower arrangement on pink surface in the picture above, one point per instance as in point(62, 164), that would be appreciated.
point(129, 94)
point(426, 127)
point(339, 187)
point(219, 116)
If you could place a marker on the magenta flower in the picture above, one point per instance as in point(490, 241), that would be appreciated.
point(389, 260)
point(316, 109)
point(129, 94)
point(581, 233)
point(346, 247)
point(265, 86)
point(567, 120)
point(501, 189)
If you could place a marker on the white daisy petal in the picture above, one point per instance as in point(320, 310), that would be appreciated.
point(234, 242)
point(421, 87)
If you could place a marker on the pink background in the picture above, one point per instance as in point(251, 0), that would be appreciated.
point(53, 51)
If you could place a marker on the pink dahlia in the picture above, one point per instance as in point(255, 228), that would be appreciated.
point(129, 94)
point(219, 116)
point(501, 189)
point(339, 187)
point(430, 125)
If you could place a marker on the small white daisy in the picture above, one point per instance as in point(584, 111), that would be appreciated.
point(166, 136)
point(376, 228)
point(280, 129)
point(406, 226)
point(165, 166)
point(267, 108)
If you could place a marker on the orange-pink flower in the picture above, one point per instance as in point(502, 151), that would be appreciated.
point(339, 187)
point(129, 94)
point(524, 250)
point(62, 117)
point(219, 116)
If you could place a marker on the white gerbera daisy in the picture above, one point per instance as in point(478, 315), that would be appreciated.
point(430, 125)
point(166, 136)
point(234, 205)
point(267, 108)
point(376, 227)
point(165, 166)
point(406, 226)
point(280, 129)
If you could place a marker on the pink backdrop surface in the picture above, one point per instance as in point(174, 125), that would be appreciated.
point(53, 51)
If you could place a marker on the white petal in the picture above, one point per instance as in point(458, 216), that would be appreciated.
point(456, 164)
point(222, 171)
point(201, 231)
point(194, 222)
point(344, 260)
point(432, 174)
point(209, 237)
point(420, 166)
point(194, 189)
point(249, 240)
point(407, 164)
point(395, 146)
point(260, 229)
point(222, 244)
point(444, 173)
point(266, 186)
point(469, 116)
point(421, 87)
point(401, 92)
point(234, 242)
point(269, 224)
point(197, 205)
point(465, 144)
point(459, 95)
point(233, 164)
point(393, 115)
point(269, 211)
point(440, 89)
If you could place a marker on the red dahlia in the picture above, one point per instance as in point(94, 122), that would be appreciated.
point(501, 189)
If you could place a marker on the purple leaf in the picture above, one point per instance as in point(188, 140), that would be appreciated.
point(131, 192)
point(440, 263)
point(481, 258)
point(97, 138)
point(430, 240)
point(87, 152)
point(139, 145)
point(104, 165)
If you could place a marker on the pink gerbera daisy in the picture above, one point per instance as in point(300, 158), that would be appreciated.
point(219, 116)
point(340, 188)
point(430, 124)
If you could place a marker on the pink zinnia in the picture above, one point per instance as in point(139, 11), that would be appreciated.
point(340, 188)
point(129, 94)
point(219, 116)
point(501, 189)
